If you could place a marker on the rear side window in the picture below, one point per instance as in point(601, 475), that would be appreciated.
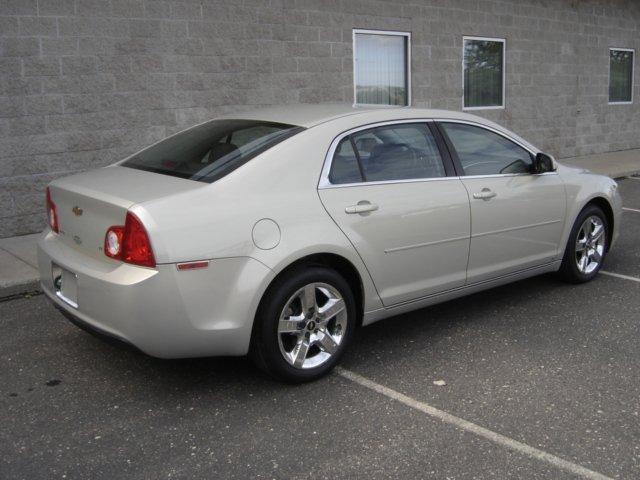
point(210, 151)
point(483, 152)
point(392, 152)
point(344, 168)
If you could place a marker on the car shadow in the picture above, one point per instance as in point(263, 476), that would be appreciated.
point(428, 324)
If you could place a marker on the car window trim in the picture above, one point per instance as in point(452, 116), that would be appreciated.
point(456, 160)
point(449, 166)
point(428, 123)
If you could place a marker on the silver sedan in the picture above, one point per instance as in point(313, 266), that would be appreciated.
point(278, 232)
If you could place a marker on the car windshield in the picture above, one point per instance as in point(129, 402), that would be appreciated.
point(210, 151)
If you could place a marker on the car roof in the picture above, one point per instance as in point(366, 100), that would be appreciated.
point(310, 115)
point(303, 115)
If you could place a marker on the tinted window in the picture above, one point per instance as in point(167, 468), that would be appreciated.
point(392, 152)
point(212, 150)
point(344, 168)
point(483, 152)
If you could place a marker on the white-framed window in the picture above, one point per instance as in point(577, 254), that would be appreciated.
point(483, 73)
point(621, 76)
point(381, 67)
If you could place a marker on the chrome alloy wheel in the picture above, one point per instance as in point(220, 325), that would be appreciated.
point(312, 325)
point(590, 244)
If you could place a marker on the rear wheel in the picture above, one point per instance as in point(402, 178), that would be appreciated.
point(304, 324)
point(586, 247)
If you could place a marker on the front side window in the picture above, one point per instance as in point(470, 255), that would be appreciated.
point(620, 75)
point(483, 152)
point(483, 70)
point(381, 67)
point(210, 151)
point(392, 152)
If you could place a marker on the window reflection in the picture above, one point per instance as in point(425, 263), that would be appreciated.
point(483, 75)
point(620, 75)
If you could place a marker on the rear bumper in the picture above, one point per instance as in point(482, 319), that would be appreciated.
point(95, 331)
point(163, 312)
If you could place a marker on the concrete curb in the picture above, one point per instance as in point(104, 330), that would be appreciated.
point(20, 288)
point(617, 176)
point(19, 265)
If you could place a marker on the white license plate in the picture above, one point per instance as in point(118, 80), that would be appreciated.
point(65, 284)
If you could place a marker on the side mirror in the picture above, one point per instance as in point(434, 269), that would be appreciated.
point(542, 163)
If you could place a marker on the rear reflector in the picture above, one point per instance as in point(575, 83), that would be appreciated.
point(193, 265)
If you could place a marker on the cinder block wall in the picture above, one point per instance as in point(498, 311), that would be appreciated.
point(85, 82)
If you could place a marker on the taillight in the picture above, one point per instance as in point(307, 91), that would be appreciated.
point(129, 243)
point(52, 212)
point(136, 246)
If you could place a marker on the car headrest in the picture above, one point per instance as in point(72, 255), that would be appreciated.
point(220, 150)
point(387, 151)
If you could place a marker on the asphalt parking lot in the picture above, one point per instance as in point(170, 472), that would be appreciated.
point(542, 380)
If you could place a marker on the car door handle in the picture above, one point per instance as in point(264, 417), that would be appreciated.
point(484, 194)
point(363, 206)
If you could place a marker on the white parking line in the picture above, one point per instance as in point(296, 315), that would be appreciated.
point(631, 209)
point(472, 427)
point(618, 275)
point(634, 178)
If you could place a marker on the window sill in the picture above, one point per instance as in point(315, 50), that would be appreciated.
point(382, 105)
point(494, 107)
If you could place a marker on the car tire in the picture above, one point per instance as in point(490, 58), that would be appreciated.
point(304, 324)
point(586, 247)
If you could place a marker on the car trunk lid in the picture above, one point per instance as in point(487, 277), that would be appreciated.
point(89, 203)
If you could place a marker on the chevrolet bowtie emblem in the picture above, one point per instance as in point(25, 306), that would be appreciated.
point(77, 211)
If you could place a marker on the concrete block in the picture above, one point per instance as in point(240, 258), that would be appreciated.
point(8, 26)
point(173, 28)
point(186, 10)
point(37, 26)
point(128, 8)
point(113, 64)
point(56, 7)
point(11, 106)
point(10, 66)
point(18, 7)
point(59, 46)
point(25, 125)
point(93, 8)
point(17, 86)
point(78, 84)
point(19, 47)
point(41, 66)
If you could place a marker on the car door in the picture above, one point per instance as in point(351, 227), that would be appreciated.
point(517, 217)
point(396, 197)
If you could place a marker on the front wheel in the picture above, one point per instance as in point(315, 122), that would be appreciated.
point(586, 247)
point(304, 324)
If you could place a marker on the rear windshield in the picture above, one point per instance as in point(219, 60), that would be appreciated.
point(211, 150)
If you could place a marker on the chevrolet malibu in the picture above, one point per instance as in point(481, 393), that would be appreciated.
point(279, 232)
